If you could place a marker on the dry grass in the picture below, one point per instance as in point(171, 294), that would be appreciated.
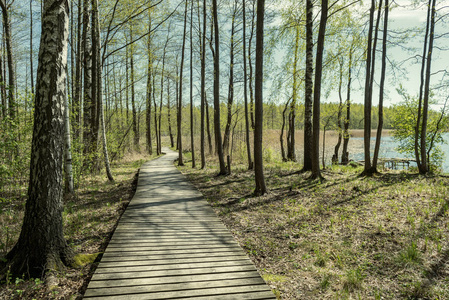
point(383, 237)
point(90, 217)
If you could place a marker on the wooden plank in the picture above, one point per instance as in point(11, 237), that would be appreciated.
point(168, 261)
point(176, 279)
point(111, 257)
point(169, 244)
point(171, 287)
point(207, 292)
point(169, 273)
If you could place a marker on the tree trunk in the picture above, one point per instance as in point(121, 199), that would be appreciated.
point(67, 148)
point(345, 154)
point(227, 132)
point(217, 123)
point(180, 160)
point(245, 90)
point(192, 144)
point(3, 89)
point(41, 246)
point(261, 188)
point(88, 101)
point(308, 98)
point(250, 63)
point(156, 128)
point(209, 135)
point(368, 100)
point(317, 91)
point(340, 108)
point(284, 158)
point(11, 71)
point(150, 91)
point(424, 159)
point(291, 152)
point(99, 92)
point(77, 101)
point(172, 142)
point(133, 93)
point(31, 50)
point(381, 88)
point(203, 86)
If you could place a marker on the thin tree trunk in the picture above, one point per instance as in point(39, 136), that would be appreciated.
point(2, 87)
point(308, 99)
point(99, 98)
point(317, 91)
point(203, 86)
point(227, 132)
point(424, 159)
point(250, 63)
point(180, 160)
point(245, 90)
point(381, 88)
point(11, 71)
point(31, 49)
point(421, 90)
point(367, 100)
point(67, 149)
point(172, 143)
point(261, 188)
point(150, 91)
point(345, 154)
point(284, 158)
point(209, 136)
point(192, 144)
point(88, 101)
point(218, 143)
point(156, 128)
point(77, 101)
point(291, 153)
point(340, 108)
point(133, 93)
point(41, 246)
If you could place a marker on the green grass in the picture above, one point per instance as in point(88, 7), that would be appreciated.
point(348, 237)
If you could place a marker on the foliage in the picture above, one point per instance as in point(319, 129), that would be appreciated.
point(404, 124)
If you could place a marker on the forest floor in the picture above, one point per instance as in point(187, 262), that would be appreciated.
point(349, 237)
point(90, 217)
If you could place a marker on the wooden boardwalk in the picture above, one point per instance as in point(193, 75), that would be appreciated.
point(169, 244)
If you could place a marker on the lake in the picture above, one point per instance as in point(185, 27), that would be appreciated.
point(388, 150)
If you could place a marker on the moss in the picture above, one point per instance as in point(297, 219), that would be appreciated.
point(80, 260)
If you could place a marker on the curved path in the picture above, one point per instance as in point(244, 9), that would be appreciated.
point(169, 244)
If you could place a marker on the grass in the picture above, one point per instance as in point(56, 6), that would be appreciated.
point(90, 216)
point(349, 237)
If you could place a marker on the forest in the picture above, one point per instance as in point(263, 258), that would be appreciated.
point(280, 112)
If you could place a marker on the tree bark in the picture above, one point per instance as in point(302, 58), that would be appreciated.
point(67, 149)
point(227, 132)
point(281, 138)
point(87, 86)
point(203, 87)
point(291, 152)
point(192, 143)
point(308, 98)
point(150, 91)
point(217, 123)
point(317, 91)
point(345, 154)
point(180, 160)
point(209, 135)
point(245, 90)
point(340, 109)
point(11, 71)
point(261, 188)
point(133, 93)
point(424, 159)
point(41, 246)
point(382, 85)
point(368, 101)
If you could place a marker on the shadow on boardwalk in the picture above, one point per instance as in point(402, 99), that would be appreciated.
point(169, 244)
